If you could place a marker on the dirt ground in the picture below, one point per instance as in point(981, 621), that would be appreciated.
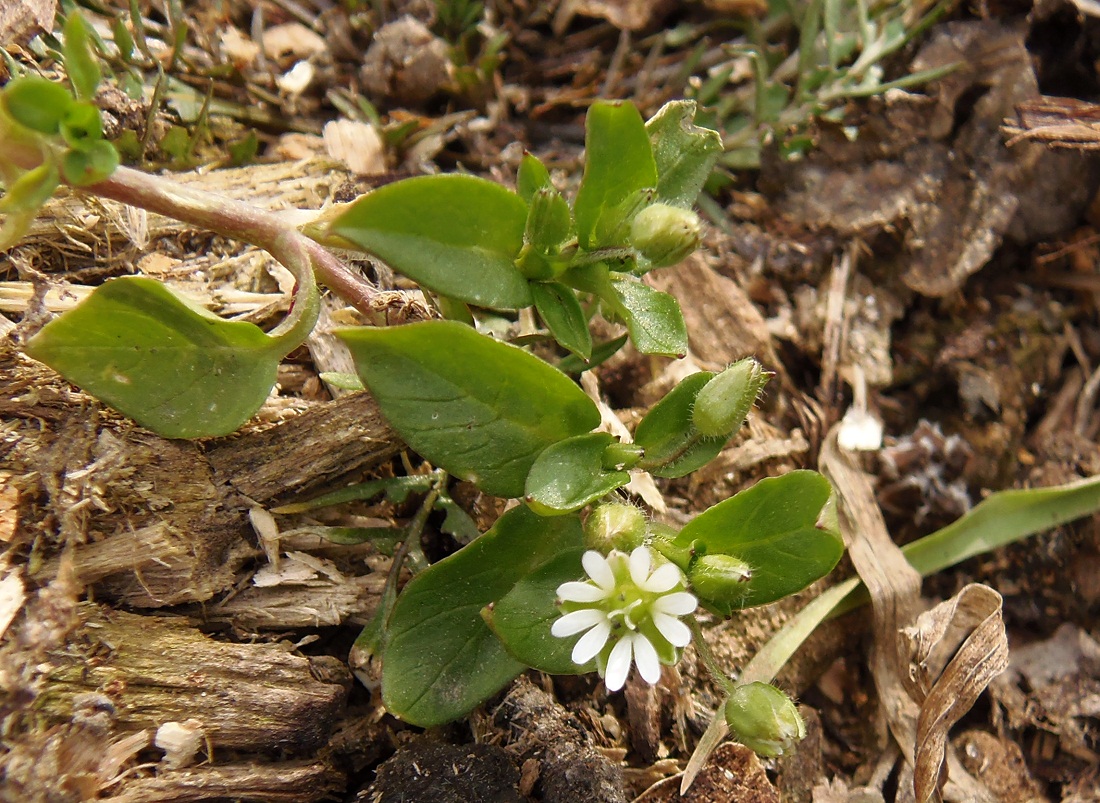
point(935, 248)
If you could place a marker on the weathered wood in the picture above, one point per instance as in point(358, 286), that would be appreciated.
point(288, 782)
point(255, 698)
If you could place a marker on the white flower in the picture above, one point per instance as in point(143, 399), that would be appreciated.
point(628, 612)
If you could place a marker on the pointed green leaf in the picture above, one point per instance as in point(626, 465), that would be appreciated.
point(684, 152)
point(618, 162)
point(479, 408)
point(772, 527)
point(80, 62)
point(673, 446)
point(522, 618)
point(456, 235)
point(440, 659)
point(570, 474)
point(560, 310)
point(531, 177)
point(172, 367)
point(653, 318)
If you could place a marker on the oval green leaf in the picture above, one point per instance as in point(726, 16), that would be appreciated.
point(456, 235)
point(38, 104)
point(772, 527)
point(441, 660)
point(618, 163)
point(653, 318)
point(684, 152)
point(560, 310)
point(569, 474)
point(522, 618)
point(171, 366)
point(481, 409)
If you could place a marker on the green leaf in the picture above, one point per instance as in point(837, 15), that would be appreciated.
point(560, 310)
point(89, 164)
point(618, 163)
point(80, 62)
point(522, 617)
point(601, 353)
point(673, 446)
point(531, 177)
point(653, 318)
point(479, 408)
point(31, 190)
point(456, 235)
point(549, 222)
point(38, 104)
point(396, 489)
point(772, 527)
point(440, 659)
point(82, 124)
point(570, 474)
point(171, 366)
point(684, 152)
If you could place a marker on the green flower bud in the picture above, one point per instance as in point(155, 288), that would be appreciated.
point(664, 235)
point(764, 719)
point(720, 578)
point(724, 402)
point(614, 525)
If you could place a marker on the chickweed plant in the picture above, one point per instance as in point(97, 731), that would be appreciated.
point(571, 579)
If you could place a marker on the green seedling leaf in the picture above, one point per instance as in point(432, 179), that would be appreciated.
point(384, 538)
point(601, 353)
point(456, 235)
point(684, 152)
point(653, 318)
point(80, 62)
point(396, 489)
point(82, 124)
point(560, 310)
point(549, 221)
point(440, 659)
point(673, 446)
point(38, 104)
point(31, 190)
point(618, 163)
point(456, 521)
point(773, 528)
point(522, 618)
point(481, 409)
point(89, 164)
point(532, 177)
point(570, 474)
point(171, 366)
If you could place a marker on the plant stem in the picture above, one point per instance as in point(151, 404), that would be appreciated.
point(234, 219)
point(709, 659)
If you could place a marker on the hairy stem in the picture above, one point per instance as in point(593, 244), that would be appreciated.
point(238, 220)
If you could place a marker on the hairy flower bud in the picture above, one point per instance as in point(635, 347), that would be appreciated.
point(664, 235)
point(724, 402)
point(614, 526)
point(719, 578)
point(764, 719)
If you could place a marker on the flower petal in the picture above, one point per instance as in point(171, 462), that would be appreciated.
point(663, 579)
point(618, 663)
point(598, 569)
point(676, 632)
point(573, 623)
point(649, 667)
point(640, 561)
point(576, 591)
point(591, 643)
point(679, 604)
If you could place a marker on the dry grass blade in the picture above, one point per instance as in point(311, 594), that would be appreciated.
point(959, 646)
point(905, 658)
